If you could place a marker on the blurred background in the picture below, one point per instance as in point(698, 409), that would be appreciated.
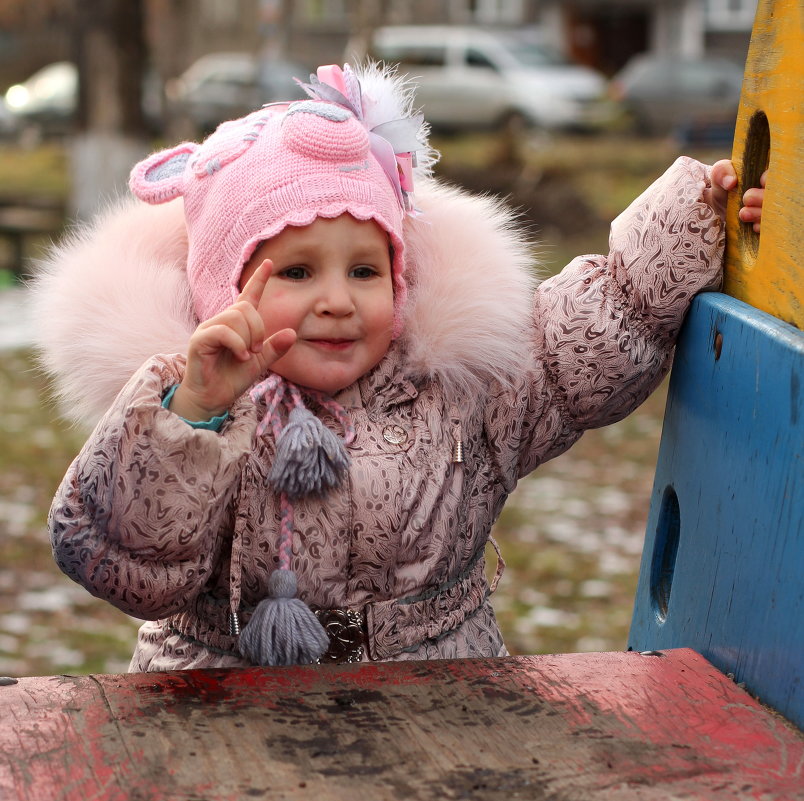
point(567, 108)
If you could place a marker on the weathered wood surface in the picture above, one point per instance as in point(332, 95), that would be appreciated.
point(615, 726)
point(767, 271)
point(723, 565)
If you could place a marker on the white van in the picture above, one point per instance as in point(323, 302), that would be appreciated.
point(471, 78)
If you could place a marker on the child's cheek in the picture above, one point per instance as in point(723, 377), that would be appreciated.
point(275, 309)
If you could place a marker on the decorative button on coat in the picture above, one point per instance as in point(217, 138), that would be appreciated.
point(396, 435)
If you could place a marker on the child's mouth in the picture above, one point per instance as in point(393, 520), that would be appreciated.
point(331, 344)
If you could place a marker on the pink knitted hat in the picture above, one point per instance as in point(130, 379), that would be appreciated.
point(286, 164)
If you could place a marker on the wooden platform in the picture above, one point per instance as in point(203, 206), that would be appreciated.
point(615, 726)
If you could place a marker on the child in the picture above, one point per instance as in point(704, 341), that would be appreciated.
point(339, 385)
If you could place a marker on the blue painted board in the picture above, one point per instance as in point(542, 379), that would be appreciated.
point(723, 564)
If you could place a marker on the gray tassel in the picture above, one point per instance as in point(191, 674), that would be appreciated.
point(309, 457)
point(283, 630)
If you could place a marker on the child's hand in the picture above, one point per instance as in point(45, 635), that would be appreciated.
point(751, 212)
point(228, 353)
point(724, 180)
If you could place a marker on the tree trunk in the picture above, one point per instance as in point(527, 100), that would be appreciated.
point(111, 127)
point(365, 17)
point(168, 32)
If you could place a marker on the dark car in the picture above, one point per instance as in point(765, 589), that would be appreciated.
point(666, 95)
point(224, 86)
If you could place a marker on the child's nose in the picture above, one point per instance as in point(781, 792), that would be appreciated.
point(335, 299)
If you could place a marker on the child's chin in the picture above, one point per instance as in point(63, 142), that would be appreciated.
point(329, 385)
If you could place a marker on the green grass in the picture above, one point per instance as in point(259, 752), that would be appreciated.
point(47, 624)
point(571, 536)
point(40, 172)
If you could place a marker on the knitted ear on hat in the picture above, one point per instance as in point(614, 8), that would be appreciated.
point(160, 177)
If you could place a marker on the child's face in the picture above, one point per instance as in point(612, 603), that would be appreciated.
point(331, 283)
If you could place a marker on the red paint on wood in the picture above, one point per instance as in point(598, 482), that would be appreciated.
point(594, 726)
point(45, 754)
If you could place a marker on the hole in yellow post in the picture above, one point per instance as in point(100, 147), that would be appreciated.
point(756, 157)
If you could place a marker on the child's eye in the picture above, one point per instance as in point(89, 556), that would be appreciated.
point(295, 273)
point(363, 271)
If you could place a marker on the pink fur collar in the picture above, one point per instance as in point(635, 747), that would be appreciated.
point(114, 293)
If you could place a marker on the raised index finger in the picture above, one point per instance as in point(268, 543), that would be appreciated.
point(255, 286)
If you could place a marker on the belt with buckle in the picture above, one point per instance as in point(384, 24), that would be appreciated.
point(348, 638)
point(345, 627)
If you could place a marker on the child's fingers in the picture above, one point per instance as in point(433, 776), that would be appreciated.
point(255, 286)
point(753, 200)
point(751, 213)
point(724, 175)
point(245, 320)
point(754, 197)
point(278, 344)
point(254, 326)
point(220, 336)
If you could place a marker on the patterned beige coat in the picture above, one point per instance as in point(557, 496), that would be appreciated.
point(152, 511)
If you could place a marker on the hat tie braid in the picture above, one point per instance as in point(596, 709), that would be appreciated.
point(309, 459)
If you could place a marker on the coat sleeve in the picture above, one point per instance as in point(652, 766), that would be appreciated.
point(145, 508)
point(605, 327)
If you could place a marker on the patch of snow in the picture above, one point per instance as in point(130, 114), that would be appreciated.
point(16, 325)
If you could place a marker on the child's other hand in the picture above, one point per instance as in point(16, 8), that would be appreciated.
point(751, 212)
point(228, 353)
point(724, 180)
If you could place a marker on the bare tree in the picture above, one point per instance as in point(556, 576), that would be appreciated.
point(111, 58)
point(168, 27)
point(111, 54)
point(34, 33)
point(365, 17)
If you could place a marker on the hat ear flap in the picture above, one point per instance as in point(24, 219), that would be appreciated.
point(160, 177)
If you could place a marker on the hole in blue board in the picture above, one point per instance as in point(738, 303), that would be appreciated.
point(665, 550)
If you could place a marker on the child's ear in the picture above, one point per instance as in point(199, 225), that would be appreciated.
point(160, 177)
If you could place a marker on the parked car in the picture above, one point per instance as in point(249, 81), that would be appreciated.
point(45, 104)
point(223, 86)
point(46, 101)
point(671, 95)
point(473, 78)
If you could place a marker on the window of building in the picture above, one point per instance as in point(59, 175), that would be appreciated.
point(489, 12)
point(730, 15)
point(414, 56)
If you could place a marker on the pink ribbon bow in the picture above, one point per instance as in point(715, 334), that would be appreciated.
point(393, 143)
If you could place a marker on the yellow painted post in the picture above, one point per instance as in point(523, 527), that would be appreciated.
point(767, 271)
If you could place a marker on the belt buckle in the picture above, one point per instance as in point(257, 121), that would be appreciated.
point(346, 629)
